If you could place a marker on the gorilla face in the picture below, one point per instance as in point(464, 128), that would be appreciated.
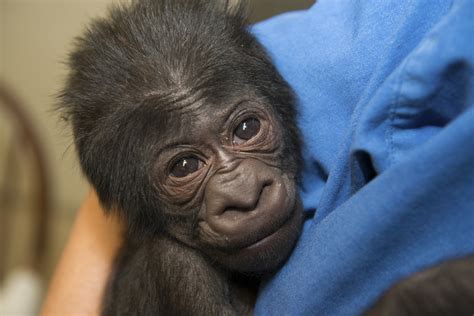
point(188, 131)
point(221, 179)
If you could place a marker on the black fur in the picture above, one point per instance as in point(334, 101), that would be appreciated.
point(159, 49)
point(445, 289)
point(127, 70)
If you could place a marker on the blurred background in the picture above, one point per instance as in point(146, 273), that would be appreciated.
point(41, 185)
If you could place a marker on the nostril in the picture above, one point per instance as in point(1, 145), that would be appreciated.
point(265, 185)
point(267, 182)
point(238, 192)
point(245, 206)
point(263, 188)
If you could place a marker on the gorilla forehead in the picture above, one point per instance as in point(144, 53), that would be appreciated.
point(194, 117)
point(193, 123)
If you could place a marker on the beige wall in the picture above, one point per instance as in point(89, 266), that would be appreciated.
point(35, 37)
point(2, 10)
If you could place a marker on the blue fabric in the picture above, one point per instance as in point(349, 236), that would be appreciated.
point(386, 89)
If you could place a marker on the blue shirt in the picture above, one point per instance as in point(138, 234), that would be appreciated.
point(386, 96)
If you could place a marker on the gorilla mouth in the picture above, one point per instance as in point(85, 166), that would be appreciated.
point(266, 252)
point(269, 239)
point(271, 220)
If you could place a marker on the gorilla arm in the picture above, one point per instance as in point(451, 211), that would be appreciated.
point(160, 276)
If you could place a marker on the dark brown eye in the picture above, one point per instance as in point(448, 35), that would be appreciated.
point(185, 166)
point(246, 130)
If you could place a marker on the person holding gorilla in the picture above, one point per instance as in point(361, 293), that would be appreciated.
point(385, 99)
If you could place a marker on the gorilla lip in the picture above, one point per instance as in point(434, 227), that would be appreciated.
point(277, 245)
point(281, 230)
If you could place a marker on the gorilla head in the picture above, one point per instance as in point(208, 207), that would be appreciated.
point(183, 125)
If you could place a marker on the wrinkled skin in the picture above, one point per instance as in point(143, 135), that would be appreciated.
point(248, 212)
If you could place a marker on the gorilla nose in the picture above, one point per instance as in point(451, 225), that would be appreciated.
point(232, 197)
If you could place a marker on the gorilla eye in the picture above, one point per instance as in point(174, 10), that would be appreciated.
point(246, 130)
point(185, 166)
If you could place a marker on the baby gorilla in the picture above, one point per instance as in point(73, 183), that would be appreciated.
point(186, 129)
